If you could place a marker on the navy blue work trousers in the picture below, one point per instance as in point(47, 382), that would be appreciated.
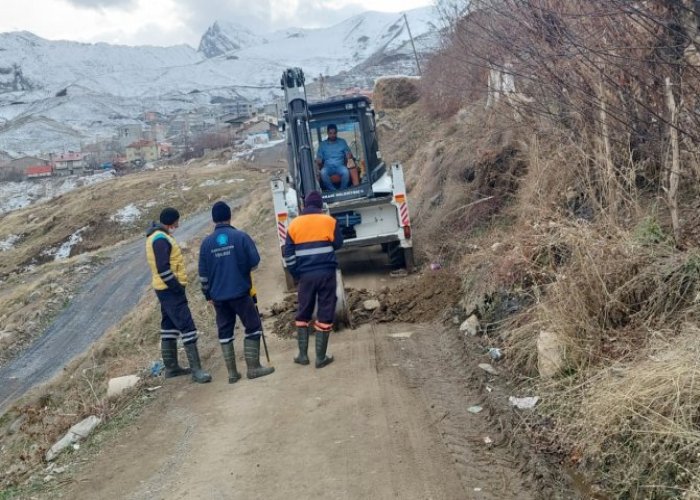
point(317, 287)
point(244, 308)
point(176, 317)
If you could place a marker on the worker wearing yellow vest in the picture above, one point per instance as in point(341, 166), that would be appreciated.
point(169, 280)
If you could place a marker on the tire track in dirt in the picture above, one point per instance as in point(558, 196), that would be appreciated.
point(347, 431)
point(433, 362)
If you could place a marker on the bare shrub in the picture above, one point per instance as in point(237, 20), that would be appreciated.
point(595, 69)
point(211, 140)
point(593, 108)
point(611, 288)
point(443, 86)
point(637, 423)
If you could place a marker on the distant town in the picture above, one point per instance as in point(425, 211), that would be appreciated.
point(154, 138)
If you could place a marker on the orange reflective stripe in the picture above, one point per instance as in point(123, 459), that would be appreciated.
point(312, 227)
point(301, 323)
point(323, 327)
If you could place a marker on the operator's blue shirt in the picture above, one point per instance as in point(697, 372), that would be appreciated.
point(226, 259)
point(333, 153)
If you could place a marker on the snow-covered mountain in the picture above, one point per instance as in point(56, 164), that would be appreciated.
point(223, 37)
point(55, 95)
point(50, 65)
point(324, 50)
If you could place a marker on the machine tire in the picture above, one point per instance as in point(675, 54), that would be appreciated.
point(396, 255)
point(408, 259)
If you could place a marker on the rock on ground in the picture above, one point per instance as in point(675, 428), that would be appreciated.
point(120, 384)
point(76, 433)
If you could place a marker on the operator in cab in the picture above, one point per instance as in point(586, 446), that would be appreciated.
point(332, 156)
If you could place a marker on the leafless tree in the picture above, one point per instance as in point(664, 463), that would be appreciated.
point(596, 69)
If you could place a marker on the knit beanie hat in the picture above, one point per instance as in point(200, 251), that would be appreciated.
point(220, 212)
point(313, 199)
point(169, 216)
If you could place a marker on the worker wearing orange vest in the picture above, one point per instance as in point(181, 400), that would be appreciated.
point(309, 254)
point(169, 280)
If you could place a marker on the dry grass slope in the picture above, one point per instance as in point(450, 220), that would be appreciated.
point(129, 348)
point(35, 286)
point(518, 209)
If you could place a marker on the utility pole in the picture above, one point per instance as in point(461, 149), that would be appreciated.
point(415, 54)
point(187, 137)
point(322, 85)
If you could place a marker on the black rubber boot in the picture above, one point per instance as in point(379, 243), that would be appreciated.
point(303, 341)
point(198, 375)
point(252, 359)
point(168, 350)
point(230, 359)
point(322, 359)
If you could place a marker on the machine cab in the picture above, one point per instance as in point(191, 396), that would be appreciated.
point(354, 118)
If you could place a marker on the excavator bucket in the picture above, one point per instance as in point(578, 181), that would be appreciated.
point(342, 310)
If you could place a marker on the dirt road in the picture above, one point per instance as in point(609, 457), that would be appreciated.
point(388, 419)
point(104, 300)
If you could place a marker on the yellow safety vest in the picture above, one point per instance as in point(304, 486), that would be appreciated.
point(177, 263)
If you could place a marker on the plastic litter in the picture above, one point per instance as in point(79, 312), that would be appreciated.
point(475, 409)
point(488, 368)
point(156, 368)
point(495, 353)
point(524, 403)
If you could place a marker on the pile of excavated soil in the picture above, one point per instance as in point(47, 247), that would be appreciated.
point(396, 92)
point(421, 298)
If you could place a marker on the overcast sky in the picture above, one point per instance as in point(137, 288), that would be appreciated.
point(171, 22)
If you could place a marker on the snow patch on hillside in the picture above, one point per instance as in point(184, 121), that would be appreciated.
point(17, 195)
point(9, 242)
point(63, 252)
point(127, 215)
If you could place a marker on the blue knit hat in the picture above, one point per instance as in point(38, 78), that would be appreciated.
point(313, 199)
point(220, 212)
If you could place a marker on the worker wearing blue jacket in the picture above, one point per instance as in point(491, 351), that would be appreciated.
point(226, 259)
point(169, 280)
point(332, 158)
point(309, 254)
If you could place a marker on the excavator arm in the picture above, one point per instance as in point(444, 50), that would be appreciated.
point(303, 170)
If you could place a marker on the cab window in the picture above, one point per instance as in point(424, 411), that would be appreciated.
point(348, 130)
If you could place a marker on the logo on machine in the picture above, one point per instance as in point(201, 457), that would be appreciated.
point(343, 194)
